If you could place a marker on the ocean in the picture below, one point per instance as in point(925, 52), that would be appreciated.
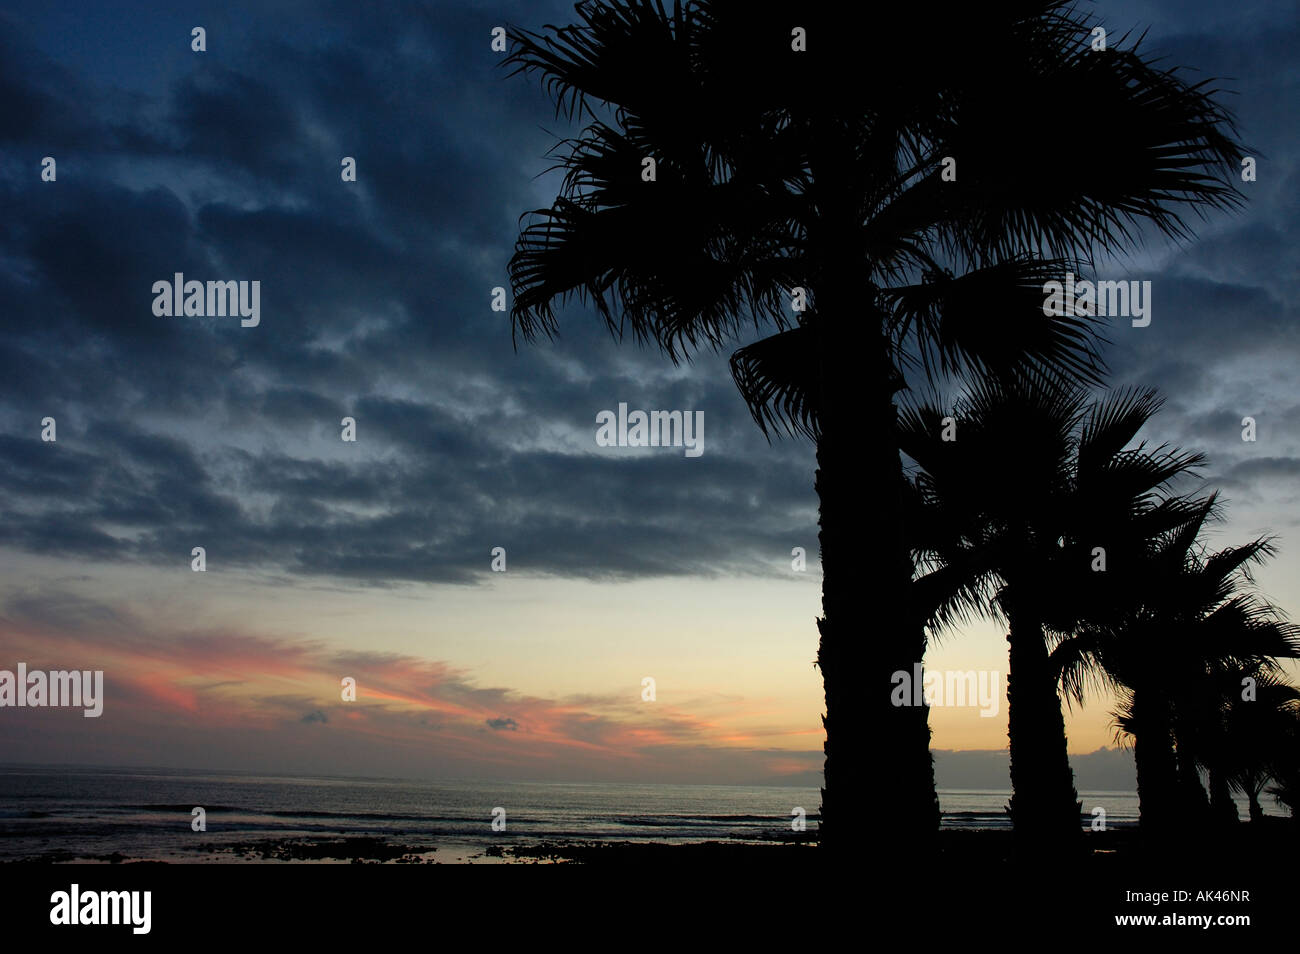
point(111, 814)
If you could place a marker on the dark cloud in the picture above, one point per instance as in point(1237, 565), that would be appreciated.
point(178, 432)
point(181, 432)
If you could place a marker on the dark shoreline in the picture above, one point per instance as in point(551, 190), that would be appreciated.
point(1244, 844)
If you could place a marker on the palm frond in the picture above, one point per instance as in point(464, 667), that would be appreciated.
point(778, 377)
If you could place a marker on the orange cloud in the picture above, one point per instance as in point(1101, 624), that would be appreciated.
point(234, 688)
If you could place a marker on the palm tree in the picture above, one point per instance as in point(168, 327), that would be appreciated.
point(1191, 625)
point(1255, 731)
point(1037, 485)
point(721, 168)
point(1285, 767)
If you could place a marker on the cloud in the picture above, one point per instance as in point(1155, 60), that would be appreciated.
point(182, 432)
point(175, 433)
point(165, 688)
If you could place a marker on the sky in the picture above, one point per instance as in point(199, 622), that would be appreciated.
point(372, 559)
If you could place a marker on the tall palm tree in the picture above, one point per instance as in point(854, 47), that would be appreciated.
point(1037, 485)
point(818, 164)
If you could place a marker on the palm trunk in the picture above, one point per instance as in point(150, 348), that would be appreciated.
point(1044, 805)
point(1222, 807)
point(879, 776)
point(1153, 753)
point(1193, 803)
point(879, 790)
point(1256, 811)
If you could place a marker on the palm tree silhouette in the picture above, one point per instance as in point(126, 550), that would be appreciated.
point(1190, 624)
point(1254, 732)
point(1037, 484)
point(1284, 766)
point(737, 152)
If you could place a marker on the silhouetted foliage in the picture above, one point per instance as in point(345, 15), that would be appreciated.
point(822, 170)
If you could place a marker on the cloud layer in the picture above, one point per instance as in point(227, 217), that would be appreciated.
point(180, 432)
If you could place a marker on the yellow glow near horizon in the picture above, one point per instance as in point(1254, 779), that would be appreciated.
point(732, 658)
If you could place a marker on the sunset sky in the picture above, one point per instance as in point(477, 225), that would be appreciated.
point(371, 559)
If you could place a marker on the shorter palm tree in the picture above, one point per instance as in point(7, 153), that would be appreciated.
point(1191, 625)
point(1017, 491)
point(1258, 718)
point(1285, 768)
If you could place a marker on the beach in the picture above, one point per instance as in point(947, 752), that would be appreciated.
point(102, 815)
